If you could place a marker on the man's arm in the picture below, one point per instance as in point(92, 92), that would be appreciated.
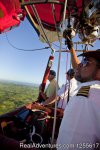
point(51, 100)
point(44, 96)
point(74, 59)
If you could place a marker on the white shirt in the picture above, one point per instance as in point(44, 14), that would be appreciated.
point(63, 92)
point(80, 125)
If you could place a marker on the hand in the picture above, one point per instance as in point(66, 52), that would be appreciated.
point(67, 36)
point(69, 43)
point(43, 95)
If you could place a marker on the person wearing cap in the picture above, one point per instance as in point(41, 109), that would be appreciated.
point(65, 92)
point(80, 126)
point(51, 88)
point(68, 90)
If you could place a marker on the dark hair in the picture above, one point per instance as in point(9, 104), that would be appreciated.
point(71, 72)
point(52, 72)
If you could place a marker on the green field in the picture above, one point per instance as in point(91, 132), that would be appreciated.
point(14, 95)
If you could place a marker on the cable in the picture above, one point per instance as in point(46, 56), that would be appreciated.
point(24, 49)
point(58, 46)
point(55, 113)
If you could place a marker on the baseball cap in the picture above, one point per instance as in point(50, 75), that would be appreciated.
point(52, 72)
point(94, 54)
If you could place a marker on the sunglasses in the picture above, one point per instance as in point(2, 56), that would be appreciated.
point(85, 62)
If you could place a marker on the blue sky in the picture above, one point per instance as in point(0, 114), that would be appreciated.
point(28, 66)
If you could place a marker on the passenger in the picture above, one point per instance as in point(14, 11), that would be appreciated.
point(62, 94)
point(50, 93)
point(80, 126)
point(51, 89)
point(68, 90)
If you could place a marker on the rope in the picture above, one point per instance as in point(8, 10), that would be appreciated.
point(54, 124)
point(27, 50)
point(66, 80)
point(54, 16)
point(69, 86)
point(40, 23)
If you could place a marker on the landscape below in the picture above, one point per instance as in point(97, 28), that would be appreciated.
point(16, 94)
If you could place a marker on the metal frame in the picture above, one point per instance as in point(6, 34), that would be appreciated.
point(41, 2)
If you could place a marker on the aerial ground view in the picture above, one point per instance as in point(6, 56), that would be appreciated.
point(14, 95)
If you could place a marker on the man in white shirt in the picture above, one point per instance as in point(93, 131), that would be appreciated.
point(80, 126)
point(67, 90)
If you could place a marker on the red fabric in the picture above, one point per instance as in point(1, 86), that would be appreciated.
point(45, 12)
point(9, 10)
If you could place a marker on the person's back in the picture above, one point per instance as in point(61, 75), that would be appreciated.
point(51, 89)
point(68, 90)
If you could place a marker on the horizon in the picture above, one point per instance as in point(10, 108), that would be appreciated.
point(18, 82)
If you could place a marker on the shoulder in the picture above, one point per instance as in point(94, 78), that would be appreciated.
point(74, 81)
point(95, 92)
point(95, 86)
point(90, 91)
point(53, 83)
point(74, 84)
point(83, 91)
